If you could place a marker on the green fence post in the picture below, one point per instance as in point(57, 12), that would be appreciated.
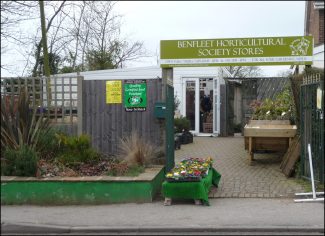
point(168, 97)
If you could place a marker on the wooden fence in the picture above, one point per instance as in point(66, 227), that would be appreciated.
point(62, 111)
point(251, 89)
point(108, 123)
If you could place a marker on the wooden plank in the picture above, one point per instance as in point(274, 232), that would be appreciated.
point(293, 156)
point(269, 122)
point(288, 153)
point(70, 96)
point(264, 131)
point(268, 144)
point(250, 150)
point(79, 104)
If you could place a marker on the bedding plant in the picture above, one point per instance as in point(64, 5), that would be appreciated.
point(190, 169)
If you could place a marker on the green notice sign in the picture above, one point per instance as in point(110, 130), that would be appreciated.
point(135, 95)
point(237, 51)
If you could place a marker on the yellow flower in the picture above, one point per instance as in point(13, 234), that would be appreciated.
point(169, 175)
point(176, 174)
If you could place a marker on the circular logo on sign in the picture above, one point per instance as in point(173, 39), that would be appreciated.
point(135, 100)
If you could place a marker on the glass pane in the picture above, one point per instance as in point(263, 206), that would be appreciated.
point(190, 102)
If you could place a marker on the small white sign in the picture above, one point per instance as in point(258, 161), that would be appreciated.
point(319, 98)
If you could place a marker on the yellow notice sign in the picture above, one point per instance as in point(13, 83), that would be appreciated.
point(114, 91)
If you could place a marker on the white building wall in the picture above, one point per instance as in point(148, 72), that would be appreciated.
point(180, 73)
point(318, 57)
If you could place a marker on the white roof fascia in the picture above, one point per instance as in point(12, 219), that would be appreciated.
point(318, 56)
point(153, 72)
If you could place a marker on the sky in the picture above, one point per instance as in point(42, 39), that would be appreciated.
point(152, 21)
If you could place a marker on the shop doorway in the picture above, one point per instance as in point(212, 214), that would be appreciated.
point(206, 106)
point(201, 105)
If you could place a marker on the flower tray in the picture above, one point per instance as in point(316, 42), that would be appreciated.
point(184, 179)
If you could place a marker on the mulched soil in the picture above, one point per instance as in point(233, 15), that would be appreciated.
point(50, 169)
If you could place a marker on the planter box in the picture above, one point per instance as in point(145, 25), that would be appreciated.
point(268, 135)
point(82, 190)
point(185, 137)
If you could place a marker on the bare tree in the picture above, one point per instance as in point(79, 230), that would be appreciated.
point(39, 44)
point(243, 71)
point(75, 30)
point(104, 39)
point(13, 13)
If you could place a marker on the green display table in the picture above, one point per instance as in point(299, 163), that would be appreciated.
point(198, 190)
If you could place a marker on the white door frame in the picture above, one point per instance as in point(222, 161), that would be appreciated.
point(216, 106)
point(197, 101)
point(216, 102)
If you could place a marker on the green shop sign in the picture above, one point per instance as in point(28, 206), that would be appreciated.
point(135, 95)
point(237, 51)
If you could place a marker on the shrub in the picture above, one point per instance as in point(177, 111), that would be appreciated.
point(281, 108)
point(136, 151)
point(181, 124)
point(48, 144)
point(76, 150)
point(20, 162)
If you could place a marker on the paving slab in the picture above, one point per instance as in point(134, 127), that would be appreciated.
point(263, 179)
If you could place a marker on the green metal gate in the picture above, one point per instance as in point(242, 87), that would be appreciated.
point(312, 128)
point(170, 150)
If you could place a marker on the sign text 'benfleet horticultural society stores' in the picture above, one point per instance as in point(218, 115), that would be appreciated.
point(237, 51)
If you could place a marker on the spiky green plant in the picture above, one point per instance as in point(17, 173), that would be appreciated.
point(19, 162)
point(21, 126)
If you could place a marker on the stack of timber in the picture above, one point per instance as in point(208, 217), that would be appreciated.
point(291, 157)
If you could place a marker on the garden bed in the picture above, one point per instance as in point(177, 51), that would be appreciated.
point(82, 190)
